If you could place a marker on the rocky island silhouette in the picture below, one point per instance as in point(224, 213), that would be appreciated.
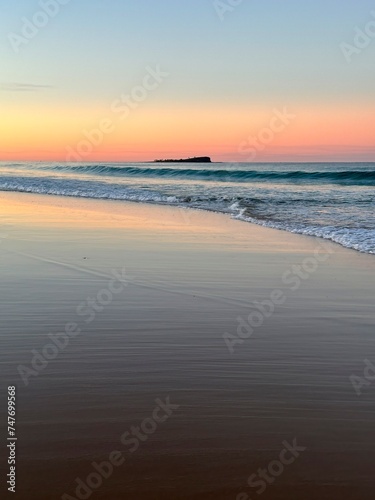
point(196, 159)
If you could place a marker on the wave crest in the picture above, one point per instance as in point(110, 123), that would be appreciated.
point(346, 177)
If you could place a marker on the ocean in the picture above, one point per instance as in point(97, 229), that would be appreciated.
point(334, 201)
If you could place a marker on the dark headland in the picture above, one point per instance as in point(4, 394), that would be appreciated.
point(197, 159)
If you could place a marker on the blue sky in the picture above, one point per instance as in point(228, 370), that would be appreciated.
point(263, 47)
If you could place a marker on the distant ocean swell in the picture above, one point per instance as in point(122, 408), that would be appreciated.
point(355, 177)
point(333, 201)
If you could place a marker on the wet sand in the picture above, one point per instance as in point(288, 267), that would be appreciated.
point(159, 293)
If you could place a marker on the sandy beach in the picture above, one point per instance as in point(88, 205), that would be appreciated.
point(165, 353)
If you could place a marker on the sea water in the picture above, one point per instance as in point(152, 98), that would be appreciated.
point(334, 201)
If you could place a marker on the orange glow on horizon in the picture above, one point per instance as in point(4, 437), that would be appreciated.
point(28, 133)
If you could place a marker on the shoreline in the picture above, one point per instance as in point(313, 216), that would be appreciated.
point(185, 212)
point(300, 321)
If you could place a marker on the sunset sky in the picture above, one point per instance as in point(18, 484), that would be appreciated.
point(224, 76)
